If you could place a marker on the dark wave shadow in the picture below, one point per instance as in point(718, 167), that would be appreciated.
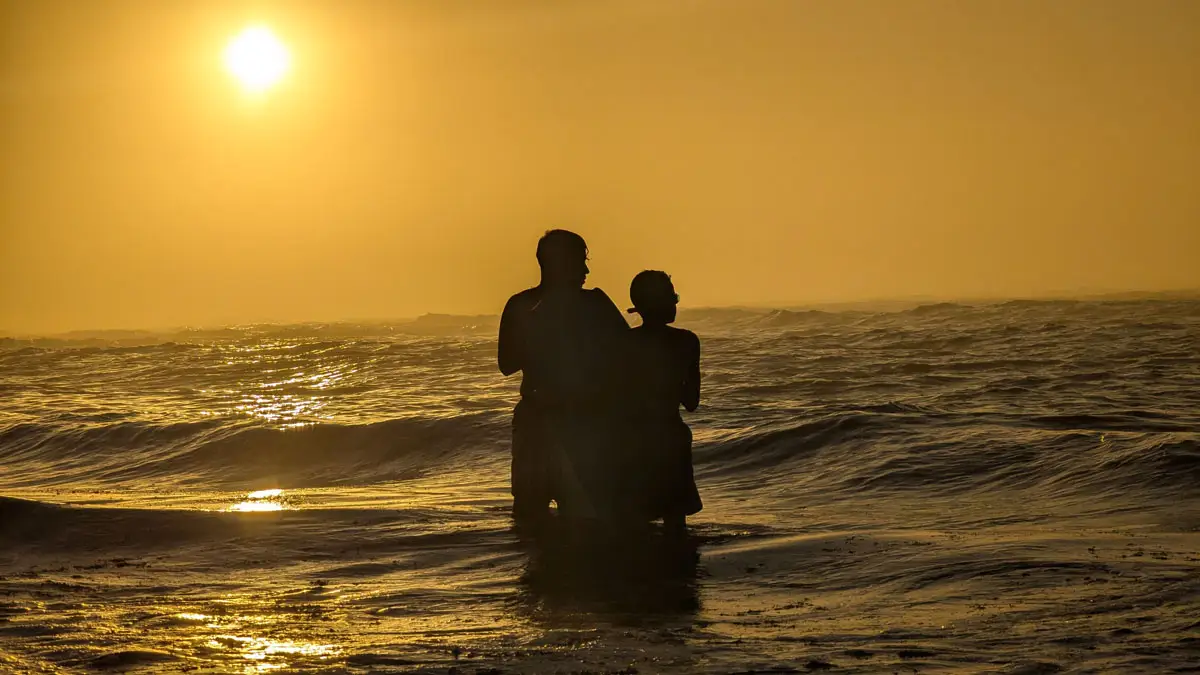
point(628, 578)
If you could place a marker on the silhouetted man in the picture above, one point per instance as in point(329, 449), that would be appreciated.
point(560, 336)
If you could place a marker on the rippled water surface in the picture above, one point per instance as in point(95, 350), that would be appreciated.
point(1001, 488)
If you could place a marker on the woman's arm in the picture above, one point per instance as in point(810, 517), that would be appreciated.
point(690, 397)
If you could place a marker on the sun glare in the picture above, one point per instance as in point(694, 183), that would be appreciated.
point(257, 58)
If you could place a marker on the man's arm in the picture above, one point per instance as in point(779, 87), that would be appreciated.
point(690, 397)
point(509, 352)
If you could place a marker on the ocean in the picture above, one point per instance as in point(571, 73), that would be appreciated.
point(1007, 487)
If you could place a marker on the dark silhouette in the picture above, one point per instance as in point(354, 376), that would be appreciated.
point(663, 372)
point(562, 338)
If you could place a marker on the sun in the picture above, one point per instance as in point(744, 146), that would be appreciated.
point(257, 58)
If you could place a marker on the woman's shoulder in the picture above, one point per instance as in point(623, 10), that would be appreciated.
point(684, 336)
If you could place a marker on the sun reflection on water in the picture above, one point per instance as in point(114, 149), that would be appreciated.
point(273, 383)
point(266, 651)
point(290, 409)
point(261, 500)
point(249, 506)
point(256, 633)
point(265, 494)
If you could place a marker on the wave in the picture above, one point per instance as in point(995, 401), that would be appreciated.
point(243, 454)
point(719, 314)
point(1040, 302)
point(1128, 420)
point(841, 456)
point(784, 317)
point(63, 529)
point(896, 447)
point(890, 446)
point(937, 308)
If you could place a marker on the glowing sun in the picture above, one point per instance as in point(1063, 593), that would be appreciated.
point(257, 58)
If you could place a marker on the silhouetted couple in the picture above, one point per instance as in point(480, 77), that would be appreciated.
point(598, 429)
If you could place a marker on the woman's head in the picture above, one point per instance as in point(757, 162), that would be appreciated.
point(653, 296)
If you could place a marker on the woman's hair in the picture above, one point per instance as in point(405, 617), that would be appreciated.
point(651, 289)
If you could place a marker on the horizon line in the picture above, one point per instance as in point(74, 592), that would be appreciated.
point(844, 305)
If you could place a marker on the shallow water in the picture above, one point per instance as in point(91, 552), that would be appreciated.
point(1002, 488)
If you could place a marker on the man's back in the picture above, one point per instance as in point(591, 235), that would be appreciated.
point(559, 337)
point(562, 341)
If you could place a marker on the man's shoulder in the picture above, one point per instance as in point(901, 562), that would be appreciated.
point(525, 298)
point(596, 295)
point(598, 298)
point(604, 309)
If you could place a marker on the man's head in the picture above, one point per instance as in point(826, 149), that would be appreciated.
point(562, 255)
point(653, 296)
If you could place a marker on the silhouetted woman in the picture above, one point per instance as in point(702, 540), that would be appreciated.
point(664, 374)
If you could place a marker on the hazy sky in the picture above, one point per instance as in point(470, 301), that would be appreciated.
point(761, 151)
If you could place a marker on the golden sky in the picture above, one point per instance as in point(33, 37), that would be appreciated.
point(761, 151)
